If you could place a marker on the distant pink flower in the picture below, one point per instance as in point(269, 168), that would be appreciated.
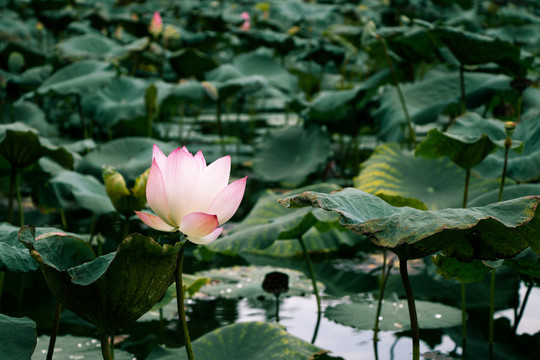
point(156, 25)
point(187, 195)
point(246, 25)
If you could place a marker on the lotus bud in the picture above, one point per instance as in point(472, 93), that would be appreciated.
point(211, 90)
point(15, 62)
point(125, 200)
point(246, 25)
point(156, 25)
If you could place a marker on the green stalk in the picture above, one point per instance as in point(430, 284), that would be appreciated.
point(180, 303)
point(415, 330)
point(220, 125)
point(519, 105)
point(463, 319)
point(491, 312)
point(311, 273)
point(19, 201)
point(522, 309)
point(466, 190)
point(277, 307)
point(412, 134)
point(105, 347)
point(384, 279)
point(505, 166)
point(54, 330)
point(81, 115)
point(12, 181)
point(462, 87)
point(161, 327)
point(64, 219)
point(125, 228)
point(317, 325)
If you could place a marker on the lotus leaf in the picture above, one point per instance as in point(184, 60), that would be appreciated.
point(69, 347)
point(243, 341)
point(496, 231)
point(17, 337)
point(90, 47)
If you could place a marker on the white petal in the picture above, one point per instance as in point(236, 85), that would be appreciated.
point(155, 222)
point(156, 193)
point(214, 179)
point(228, 200)
point(158, 155)
point(206, 239)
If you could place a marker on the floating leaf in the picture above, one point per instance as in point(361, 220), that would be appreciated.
point(467, 142)
point(244, 341)
point(394, 315)
point(290, 154)
point(246, 282)
point(69, 347)
point(438, 183)
point(90, 46)
point(499, 230)
point(17, 337)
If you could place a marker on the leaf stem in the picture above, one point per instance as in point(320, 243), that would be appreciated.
point(491, 312)
point(505, 166)
point(415, 331)
point(105, 347)
point(462, 87)
point(466, 190)
point(384, 279)
point(12, 180)
point(522, 309)
point(81, 115)
point(463, 320)
point(19, 201)
point(54, 330)
point(311, 273)
point(412, 134)
point(180, 302)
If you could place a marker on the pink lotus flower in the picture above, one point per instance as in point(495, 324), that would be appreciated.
point(187, 195)
point(156, 25)
point(246, 25)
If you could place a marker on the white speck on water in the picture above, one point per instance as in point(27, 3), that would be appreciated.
point(229, 291)
point(438, 316)
point(239, 285)
point(380, 318)
point(79, 345)
point(398, 325)
point(401, 306)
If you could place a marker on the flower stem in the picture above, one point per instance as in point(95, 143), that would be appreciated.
point(463, 319)
point(105, 347)
point(415, 331)
point(19, 201)
point(384, 279)
point(412, 134)
point(522, 309)
point(311, 273)
point(505, 166)
point(54, 330)
point(180, 303)
point(12, 181)
point(462, 87)
point(466, 190)
point(491, 312)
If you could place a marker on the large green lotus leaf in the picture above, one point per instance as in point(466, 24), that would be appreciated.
point(88, 192)
point(438, 183)
point(318, 16)
point(244, 341)
point(510, 192)
point(525, 35)
point(21, 146)
point(82, 77)
point(90, 46)
point(268, 222)
point(492, 232)
point(288, 155)
point(69, 347)
point(17, 337)
point(105, 291)
point(263, 64)
point(130, 156)
point(316, 241)
point(467, 142)
point(281, 42)
point(475, 49)
point(394, 314)
point(171, 95)
point(246, 282)
point(410, 43)
point(30, 114)
point(522, 167)
point(190, 62)
point(452, 268)
point(122, 98)
point(14, 257)
point(428, 98)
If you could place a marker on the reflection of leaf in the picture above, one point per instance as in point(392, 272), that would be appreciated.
point(290, 154)
point(246, 282)
point(438, 183)
point(394, 314)
point(244, 341)
point(468, 141)
point(499, 230)
point(17, 337)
